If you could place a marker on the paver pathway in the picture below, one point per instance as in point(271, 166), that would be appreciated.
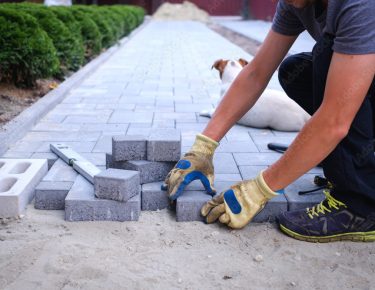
point(258, 29)
point(161, 78)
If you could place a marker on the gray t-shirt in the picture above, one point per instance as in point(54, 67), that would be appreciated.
point(351, 22)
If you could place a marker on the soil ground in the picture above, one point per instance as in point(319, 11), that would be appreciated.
point(14, 100)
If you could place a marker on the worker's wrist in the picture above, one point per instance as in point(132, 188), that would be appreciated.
point(204, 144)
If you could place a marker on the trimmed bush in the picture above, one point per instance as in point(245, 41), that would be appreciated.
point(38, 41)
point(26, 51)
point(92, 38)
point(64, 41)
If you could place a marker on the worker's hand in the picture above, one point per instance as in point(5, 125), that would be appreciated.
point(196, 164)
point(237, 206)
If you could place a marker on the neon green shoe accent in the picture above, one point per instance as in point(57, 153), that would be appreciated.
point(321, 208)
point(354, 236)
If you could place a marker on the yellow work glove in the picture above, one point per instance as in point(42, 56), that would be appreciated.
point(237, 206)
point(196, 164)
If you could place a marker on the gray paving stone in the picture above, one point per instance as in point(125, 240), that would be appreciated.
point(296, 201)
point(150, 171)
point(50, 195)
point(153, 198)
point(262, 141)
point(272, 209)
point(123, 116)
point(129, 147)
point(61, 171)
point(164, 145)
point(82, 205)
point(188, 207)
point(265, 159)
point(117, 184)
point(252, 171)
point(51, 157)
point(237, 146)
point(224, 163)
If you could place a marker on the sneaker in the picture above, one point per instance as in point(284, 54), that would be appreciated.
point(328, 221)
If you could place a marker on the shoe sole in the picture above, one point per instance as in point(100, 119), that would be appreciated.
point(354, 237)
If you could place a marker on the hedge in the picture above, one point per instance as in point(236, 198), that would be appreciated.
point(39, 42)
point(26, 51)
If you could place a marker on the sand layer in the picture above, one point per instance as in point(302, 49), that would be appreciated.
point(42, 251)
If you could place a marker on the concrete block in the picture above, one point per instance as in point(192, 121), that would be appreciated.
point(51, 157)
point(51, 195)
point(18, 179)
point(188, 207)
point(150, 171)
point(272, 209)
point(296, 201)
point(164, 145)
point(82, 205)
point(117, 184)
point(129, 147)
point(153, 198)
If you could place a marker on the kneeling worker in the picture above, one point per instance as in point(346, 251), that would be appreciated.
point(335, 84)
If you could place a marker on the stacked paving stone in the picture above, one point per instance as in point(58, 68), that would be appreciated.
point(152, 156)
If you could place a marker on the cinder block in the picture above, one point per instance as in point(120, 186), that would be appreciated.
point(189, 206)
point(18, 179)
point(272, 209)
point(149, 171)
point(51, 157)
point(82, 205)
point(296, 201)
point(117, 184)
point(129, 147)
point(164, 145)
point(51, 195)
point(153, 198)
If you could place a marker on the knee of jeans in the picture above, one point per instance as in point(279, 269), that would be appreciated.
point(285, 69)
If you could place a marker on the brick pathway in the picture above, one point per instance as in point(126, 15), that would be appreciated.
point(161, 78)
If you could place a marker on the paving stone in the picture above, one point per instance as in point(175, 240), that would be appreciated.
point(60, 171)
point(82, 205)
point(117, 184)
point(234, 146)
point(272, 209)
point(129, 147)
point(265, 159)
point(164, 145)
point(51, 157)
point(153, 198)
point(50, 195)
point(188, 207)
point(18, 179)
point(224, 163)
point(252, 171)
point(150, 171)
point(123, 116)
point(296, 201)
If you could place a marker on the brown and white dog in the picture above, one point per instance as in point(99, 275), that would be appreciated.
point(274, 109)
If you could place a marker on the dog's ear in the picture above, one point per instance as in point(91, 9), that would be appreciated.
point(219, 65)
point(243, 62)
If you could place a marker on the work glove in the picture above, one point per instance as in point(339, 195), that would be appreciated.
point(196, 164)
point(237, 206)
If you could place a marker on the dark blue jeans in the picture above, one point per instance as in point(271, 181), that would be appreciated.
point(351, 165)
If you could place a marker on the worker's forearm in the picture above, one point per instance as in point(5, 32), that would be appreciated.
point(240, 97)
point(316, 140)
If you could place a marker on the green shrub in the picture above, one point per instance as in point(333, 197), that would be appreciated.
point(64, 41)
point(91, 35)
point(105, 26)
point(65, 15)
point(26, 51)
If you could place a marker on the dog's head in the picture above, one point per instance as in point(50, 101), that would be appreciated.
point(222, 64)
